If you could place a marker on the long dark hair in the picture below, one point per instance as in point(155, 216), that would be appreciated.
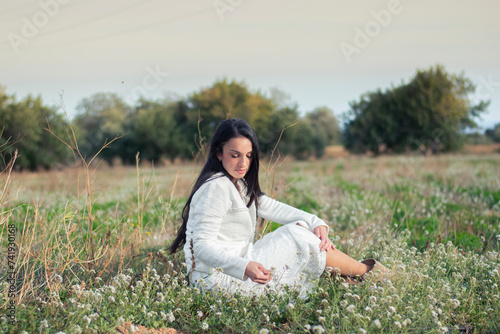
point(226, 130)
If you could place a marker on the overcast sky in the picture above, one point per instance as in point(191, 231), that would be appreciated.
point(321, 53)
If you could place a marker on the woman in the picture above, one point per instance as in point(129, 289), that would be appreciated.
point(219, 226)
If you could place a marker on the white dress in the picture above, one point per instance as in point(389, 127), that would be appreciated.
point(220, 234)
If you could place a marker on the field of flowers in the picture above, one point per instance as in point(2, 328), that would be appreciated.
point(88, 249)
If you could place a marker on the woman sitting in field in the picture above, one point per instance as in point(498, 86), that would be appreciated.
point(219, 227)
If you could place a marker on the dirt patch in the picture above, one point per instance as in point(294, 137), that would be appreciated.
point(126, 329)
point(482, 149)
point(336, 151)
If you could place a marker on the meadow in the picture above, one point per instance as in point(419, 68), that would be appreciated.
point(89, 252)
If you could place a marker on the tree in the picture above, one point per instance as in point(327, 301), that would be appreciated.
point(324, 119)
point(158, 132)
point(429, 113)
point(494, 133)
point(233, 100)
point(22, 129)
point(100, 119)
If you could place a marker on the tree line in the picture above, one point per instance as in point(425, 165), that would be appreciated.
point(157, 129)
point(430, 113)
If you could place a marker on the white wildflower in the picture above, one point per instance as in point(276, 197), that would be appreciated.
point(318, 329)
point(351, 308)
point(264, 331)
point(362, 331)
point(377, 323)
point(169, 317)
point(290, 306)
point(204, 326)
point(199, 314)
point(77, 329)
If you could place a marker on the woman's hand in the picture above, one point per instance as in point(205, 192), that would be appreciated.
point(257, 272)
point(322, 233)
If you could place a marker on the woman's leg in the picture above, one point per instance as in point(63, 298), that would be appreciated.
point(346, 265)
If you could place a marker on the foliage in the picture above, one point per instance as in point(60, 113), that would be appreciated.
point(429, 113)
point(323, 119)
point(494, 133)
point(100, 119)
point(22, 130)
point(476, 138)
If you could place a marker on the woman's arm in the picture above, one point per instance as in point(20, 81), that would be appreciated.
point(282, 213)
point(209, 206)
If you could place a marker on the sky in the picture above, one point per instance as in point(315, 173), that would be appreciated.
point(320, 53)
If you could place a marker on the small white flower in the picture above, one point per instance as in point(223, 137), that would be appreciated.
point(318, 329)
point(290, 306)
point(397, 324)
point(204, 326)
point(199, 314)
point(133, 328)
point(377, 323)
point(351, 308)
point(362, 331)
point(170, 317)
point(264, 331)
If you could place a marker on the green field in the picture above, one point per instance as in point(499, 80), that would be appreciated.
point(89, 251)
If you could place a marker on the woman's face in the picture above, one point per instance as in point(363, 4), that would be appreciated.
point(236, 157)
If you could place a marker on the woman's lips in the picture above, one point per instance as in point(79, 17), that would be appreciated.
point(241, 171)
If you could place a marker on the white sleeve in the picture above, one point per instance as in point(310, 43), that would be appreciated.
point(282, 213)
point(209, 206)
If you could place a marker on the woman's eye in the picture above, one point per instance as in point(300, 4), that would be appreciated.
point(234, 156)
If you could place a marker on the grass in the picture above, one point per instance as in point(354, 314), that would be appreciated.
point(90, 249)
